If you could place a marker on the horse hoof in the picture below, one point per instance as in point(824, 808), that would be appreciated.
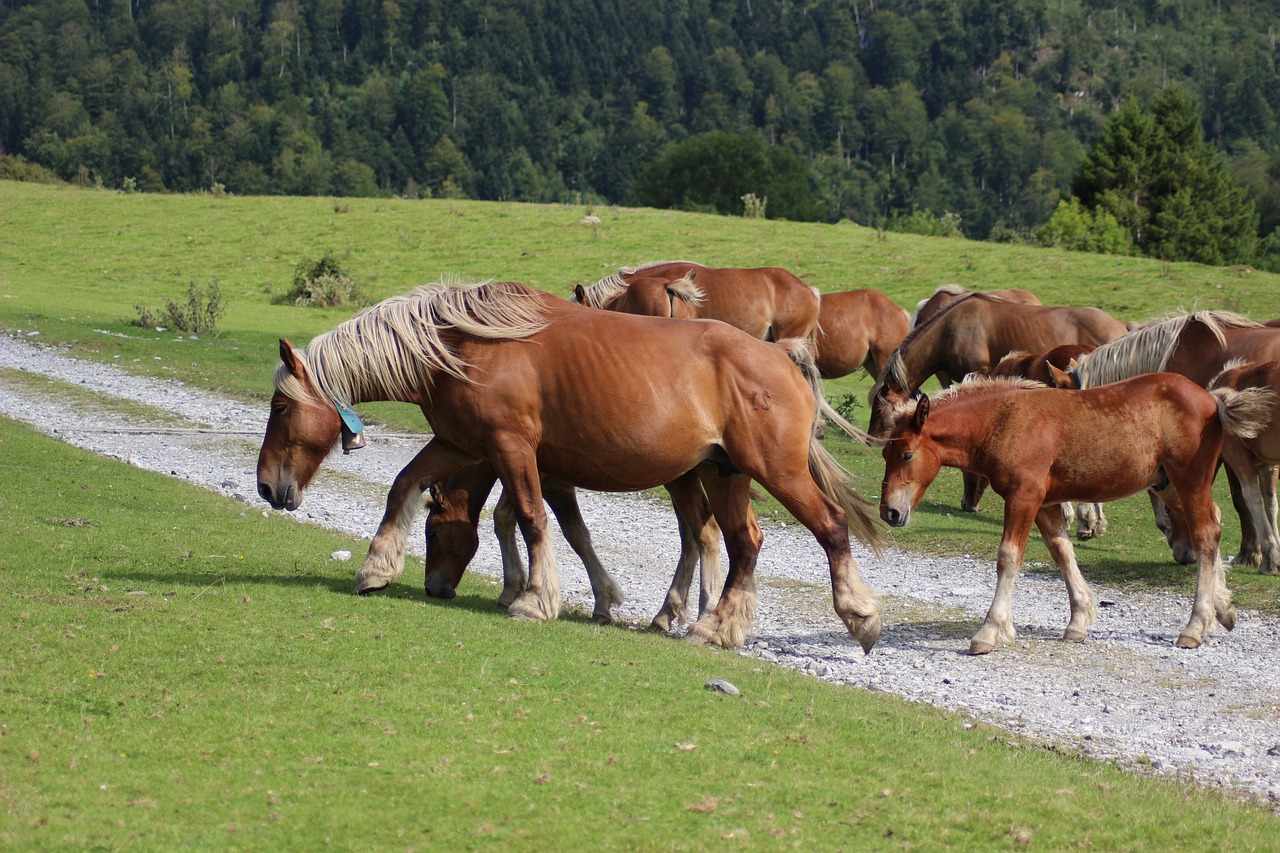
point(1188, 641)
point(364, 586)
point(866, 631)
point(1270, 569)
point(661, 622)
point(601, 618)
point(981, 647)
point(1074, 635)
point(1228, 619)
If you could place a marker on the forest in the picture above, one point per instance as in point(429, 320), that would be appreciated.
point(981, 118)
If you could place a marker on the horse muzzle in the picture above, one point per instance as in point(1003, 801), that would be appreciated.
point(288, 497)
point(895, 517)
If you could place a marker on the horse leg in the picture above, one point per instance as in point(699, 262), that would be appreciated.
point(1090, 521)
point(513, 458)
point(1267, 484)
point(698, 544)
point(1053, 525)
point(1212, 597)
point(563, 500)
point(514, 576)
point(1019, 515)
point(385, 560)
point(1250, 553)
point(975, 485)
point(726, 625)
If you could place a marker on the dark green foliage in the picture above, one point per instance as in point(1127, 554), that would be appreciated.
point(1154, 173)
point(199, 315)
point(974, 108)
point(713, 171)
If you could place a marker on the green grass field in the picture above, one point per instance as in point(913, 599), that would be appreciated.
point(176, 672)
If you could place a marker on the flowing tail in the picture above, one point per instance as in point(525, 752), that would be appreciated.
point(1246, 412)
point(835, 482)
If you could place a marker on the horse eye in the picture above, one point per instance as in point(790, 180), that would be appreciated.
point(908, 456)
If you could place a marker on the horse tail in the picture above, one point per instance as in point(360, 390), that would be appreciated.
point(1246, 412)
point(834, 481)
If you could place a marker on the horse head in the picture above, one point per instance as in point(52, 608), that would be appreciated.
point(301, 430)
point(452, 539)
point(910, 466)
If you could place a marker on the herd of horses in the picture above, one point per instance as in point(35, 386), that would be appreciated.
point(706, 381)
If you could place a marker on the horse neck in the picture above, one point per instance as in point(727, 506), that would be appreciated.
point(918, 358)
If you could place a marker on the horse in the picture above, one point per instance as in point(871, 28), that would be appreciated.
point(767, 302)
point(1196, 344)
point(1041, 446)
point(972, 335)
point(946, 294)
point(453, 518)
point(858, 329)
point(1052, 368)
point(534, 385)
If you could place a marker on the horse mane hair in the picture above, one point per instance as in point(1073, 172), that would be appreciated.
point(688, 291)
point(596, 295)
point(1147, 348)
point(395, 346)
point(974, 385)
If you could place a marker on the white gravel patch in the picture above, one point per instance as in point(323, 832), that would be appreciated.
point(1127, 694)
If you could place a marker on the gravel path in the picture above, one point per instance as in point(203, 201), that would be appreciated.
point(1126, 695)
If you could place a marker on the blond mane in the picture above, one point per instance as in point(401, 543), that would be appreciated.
point(596, 295)
point(1147, 348)
point(972, 386)
point(395, 347)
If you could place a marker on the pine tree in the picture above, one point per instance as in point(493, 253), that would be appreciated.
point(1154, 172)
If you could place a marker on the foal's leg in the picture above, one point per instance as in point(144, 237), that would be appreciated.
point(1053, 526)
point(1267, 484)
point(514, 576)
point(563, 500)
point(385, 560)
point(726, 625)
point(698, 543)
point(1019, 514)
point(1212, 597)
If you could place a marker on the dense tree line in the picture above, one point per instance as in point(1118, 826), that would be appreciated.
point(874, 110)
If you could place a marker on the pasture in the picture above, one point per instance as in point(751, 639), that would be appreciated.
point(257, 703)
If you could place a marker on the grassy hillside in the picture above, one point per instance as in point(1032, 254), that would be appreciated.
point(75, 264)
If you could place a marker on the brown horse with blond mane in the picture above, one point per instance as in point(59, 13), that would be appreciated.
point(537, 386)
point(768, 303)
point(1042, 446)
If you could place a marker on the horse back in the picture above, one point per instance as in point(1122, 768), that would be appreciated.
point(766, 302)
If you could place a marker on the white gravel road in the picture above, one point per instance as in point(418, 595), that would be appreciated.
point(1126, 695)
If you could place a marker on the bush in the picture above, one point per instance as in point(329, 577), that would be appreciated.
point(322, 283)
point(1073, 226)
point(198, 316)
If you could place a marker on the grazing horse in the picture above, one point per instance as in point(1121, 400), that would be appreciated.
point(767, 303)
point(535, 385)
point(1198, 345)
point(972, 335)
point(928, 308)
point(453, 520)
point(858, 328)
point(1042, 446)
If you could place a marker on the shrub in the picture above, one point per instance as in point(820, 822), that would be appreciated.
point(322, 283)
point(198, 316)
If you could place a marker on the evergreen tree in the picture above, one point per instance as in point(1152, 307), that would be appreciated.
point(1154, 172)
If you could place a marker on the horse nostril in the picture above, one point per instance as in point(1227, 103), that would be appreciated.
point(265, 491)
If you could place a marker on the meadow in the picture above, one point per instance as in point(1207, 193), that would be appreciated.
point(180, 670)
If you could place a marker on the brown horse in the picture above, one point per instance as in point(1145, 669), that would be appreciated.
point(946, 294)
point(767, 303)
point(650, 296)
point(1198, 345)
point(453, 520)
point(972, 335)
point(1042, 446)
point(533, 384)
point(858, 328)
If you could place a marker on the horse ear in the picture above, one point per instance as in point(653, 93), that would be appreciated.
point(921, 414)
point(579, 294)
point(288, 357)
point(435, 498)
point(1059, 378)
